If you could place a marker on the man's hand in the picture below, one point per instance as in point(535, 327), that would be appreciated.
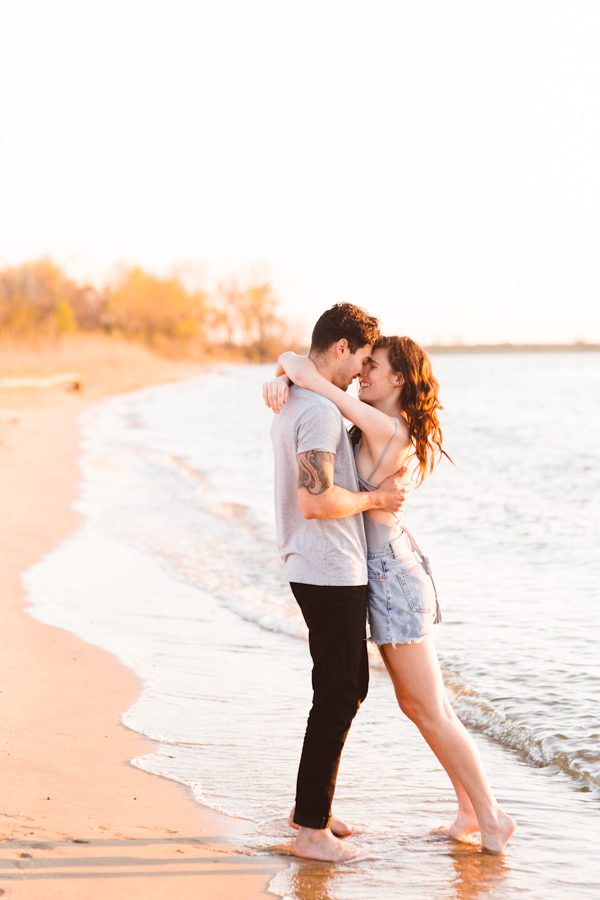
point(276, 393)
point(390, 495)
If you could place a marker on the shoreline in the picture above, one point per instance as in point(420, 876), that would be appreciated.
point(78, 819)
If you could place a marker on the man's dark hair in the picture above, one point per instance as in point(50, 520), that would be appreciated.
point(344, 320)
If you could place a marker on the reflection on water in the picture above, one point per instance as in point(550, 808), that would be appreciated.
point(469, 874)
point(313, 880)
point(476, 872)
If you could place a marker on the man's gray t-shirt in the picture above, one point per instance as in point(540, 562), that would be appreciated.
point(315, 551)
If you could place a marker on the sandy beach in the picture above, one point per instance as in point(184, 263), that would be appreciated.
point(77, 820)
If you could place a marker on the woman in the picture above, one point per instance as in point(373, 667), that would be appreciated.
point(395, 426)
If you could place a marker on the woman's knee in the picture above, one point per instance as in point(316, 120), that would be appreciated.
point(405, 705)
point(424, 711)
point(435, 717)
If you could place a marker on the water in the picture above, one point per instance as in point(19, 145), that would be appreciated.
point(175, 570)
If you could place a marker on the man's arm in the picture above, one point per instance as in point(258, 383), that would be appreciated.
point(320, 498)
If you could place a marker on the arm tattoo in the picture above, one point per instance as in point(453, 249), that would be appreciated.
point(315, 471)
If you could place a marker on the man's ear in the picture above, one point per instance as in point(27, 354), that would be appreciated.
point(341, 347)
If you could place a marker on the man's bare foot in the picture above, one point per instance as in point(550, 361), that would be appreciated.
point(495, 837)
point(320, 843)
point(337, 827)
point(464, 825)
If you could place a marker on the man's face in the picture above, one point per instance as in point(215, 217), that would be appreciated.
point(350, 366)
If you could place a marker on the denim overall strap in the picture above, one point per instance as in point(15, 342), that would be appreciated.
point(427, 567)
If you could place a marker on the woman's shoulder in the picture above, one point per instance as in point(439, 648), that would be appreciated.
point(390, 448)
point(396, 436)
point(402, 433)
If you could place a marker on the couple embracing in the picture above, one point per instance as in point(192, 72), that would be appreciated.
point(339, 496)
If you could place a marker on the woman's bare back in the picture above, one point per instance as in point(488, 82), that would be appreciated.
point(399, 453)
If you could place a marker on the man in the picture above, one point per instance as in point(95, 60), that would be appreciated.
point(321, 538)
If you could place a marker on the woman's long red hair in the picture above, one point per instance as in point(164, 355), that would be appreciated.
point(419, 399)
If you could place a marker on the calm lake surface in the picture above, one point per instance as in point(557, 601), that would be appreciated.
point(175, 570)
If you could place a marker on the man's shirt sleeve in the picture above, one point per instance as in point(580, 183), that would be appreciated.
point(319, 429)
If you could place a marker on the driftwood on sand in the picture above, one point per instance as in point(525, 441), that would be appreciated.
point(71, 380)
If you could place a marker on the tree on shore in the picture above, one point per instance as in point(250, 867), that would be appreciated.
point(247, 316)
point(144, 306)
point(35, 297)
point(173, 314)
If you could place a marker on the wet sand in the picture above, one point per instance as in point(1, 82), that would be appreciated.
point(76, 819)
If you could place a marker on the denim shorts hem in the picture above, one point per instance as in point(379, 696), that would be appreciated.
point(381, 642)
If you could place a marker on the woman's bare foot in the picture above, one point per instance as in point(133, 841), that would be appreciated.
point(495, 837)
point(320, 843)
point(464, 825)
point(337, 827)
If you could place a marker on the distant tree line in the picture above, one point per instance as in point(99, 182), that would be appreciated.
point(169, 314)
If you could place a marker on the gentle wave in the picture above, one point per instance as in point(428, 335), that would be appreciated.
point(484, 716)
point(261, 604)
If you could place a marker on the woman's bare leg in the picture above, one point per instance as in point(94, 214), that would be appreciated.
point(415, 673)
point(465, 822)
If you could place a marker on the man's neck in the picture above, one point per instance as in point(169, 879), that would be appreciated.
point(322, 365)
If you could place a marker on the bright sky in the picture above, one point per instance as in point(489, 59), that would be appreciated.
point(436, 162)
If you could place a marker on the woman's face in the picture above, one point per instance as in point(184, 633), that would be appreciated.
point(377, 380)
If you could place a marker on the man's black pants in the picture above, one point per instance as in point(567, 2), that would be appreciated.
point(336, 619)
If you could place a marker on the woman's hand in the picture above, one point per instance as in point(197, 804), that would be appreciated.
point(276, 393)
